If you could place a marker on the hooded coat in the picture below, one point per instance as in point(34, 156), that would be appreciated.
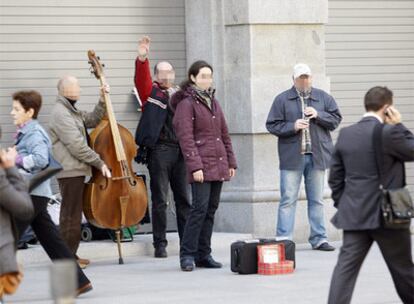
point(203, 136)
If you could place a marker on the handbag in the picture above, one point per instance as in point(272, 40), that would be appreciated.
point(396, 204)
point(53, 168)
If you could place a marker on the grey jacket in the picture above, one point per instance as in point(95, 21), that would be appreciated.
point(285, 110)
point(354, 177)
point(69, 138)
point(14, 202)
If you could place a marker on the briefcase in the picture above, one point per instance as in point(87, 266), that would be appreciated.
point(243, 254)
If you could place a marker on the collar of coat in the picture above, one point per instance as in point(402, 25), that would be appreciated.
point(27, 127)
point(66, 103)
point(314, 95)
point(197, 97)
point(369, 119)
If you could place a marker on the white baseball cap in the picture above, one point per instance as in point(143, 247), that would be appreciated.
point(301, 69)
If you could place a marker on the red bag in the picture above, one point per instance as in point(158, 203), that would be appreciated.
point(271, 260)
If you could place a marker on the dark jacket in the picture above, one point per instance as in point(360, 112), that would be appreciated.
point(14, 202)
point(354, 177)
point(157, 115)
point(203, 136)
point(285, 110)
point(153, 119)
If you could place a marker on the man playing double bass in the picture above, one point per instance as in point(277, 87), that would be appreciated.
point(70, 147)
point(155, 135)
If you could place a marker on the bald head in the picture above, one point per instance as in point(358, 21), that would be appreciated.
point(68, 86)
point(164, 74)
point(163, 66)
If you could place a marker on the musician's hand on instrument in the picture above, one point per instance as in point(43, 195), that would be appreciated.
point(301, 124)
point(143, 48)
point(232, 172)
point(106, 172)
point(105, 89)
point(198, 176)
point(311, 112)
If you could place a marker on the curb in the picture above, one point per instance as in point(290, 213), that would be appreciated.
point(141, 246)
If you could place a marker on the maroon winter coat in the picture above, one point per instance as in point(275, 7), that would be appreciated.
point(203, 136)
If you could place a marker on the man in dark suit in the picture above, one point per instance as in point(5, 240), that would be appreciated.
point(355, 183)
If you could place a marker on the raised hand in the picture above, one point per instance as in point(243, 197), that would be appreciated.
point(143, 48)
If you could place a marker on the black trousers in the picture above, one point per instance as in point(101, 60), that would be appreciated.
point(395, 246)
point(48, 236)
point(196, 242)
point(166, 167)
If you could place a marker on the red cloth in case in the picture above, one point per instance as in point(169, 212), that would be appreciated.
point(271, 260)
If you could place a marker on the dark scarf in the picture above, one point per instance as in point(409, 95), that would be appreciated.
point(206, 96)
point(72, 102)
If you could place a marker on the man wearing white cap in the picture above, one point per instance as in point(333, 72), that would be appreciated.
point(302, 119)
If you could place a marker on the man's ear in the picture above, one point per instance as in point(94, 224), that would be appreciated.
point(192, 78)
point(384, 108)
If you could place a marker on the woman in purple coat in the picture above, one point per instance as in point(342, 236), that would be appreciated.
point(204, 139)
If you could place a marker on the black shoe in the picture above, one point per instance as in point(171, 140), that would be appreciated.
point(325, 247)
point(33, 241)
point(187, 264)
point(208, 263)
point(22, 246)
point(160, 252)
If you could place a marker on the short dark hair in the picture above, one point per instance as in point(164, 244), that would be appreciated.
point(376, 98)
point(29, 100)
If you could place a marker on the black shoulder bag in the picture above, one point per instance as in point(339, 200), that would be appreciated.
point(396, 204)
point(53, 168)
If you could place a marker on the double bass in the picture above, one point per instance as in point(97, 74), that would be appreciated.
point(120, 201)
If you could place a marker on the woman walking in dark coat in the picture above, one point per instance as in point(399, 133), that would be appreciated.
point(204, 139)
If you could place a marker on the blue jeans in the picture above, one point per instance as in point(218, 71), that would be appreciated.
point(289, 184)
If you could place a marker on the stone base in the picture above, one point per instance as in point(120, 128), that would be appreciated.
point(259, 219)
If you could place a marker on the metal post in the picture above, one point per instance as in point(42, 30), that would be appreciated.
point(63, 281)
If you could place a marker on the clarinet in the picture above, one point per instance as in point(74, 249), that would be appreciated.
point(306, 147)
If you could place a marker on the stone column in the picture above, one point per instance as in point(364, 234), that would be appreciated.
point(253, 46)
